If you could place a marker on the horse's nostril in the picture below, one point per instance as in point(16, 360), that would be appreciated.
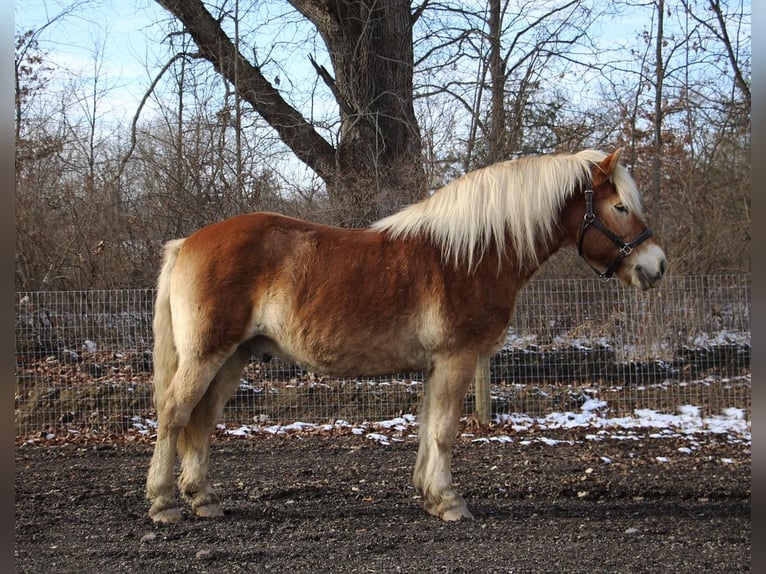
point(662, 267)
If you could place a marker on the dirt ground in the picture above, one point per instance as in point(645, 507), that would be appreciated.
point(345, 504)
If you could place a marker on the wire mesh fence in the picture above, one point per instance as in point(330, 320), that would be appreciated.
point(84, 360)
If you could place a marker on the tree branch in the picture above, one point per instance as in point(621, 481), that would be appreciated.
point(715, 5)
point(722, 34)
point(142, 103)
point(216, 47)
point(330, 82)
point(419, 11)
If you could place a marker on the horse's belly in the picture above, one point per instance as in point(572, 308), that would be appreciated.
point(345, 344)
point(345, 358)
point(369, 361)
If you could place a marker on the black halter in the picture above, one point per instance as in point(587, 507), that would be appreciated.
point(589, 220)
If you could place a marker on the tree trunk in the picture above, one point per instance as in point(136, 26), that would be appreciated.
point(660, 74)
point(379, 151)
point(497, 73)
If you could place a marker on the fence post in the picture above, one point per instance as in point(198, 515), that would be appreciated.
point(482, 391)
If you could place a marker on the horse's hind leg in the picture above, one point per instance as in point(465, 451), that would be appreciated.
point(443, 403)
point(188, 386)
point(194, 441)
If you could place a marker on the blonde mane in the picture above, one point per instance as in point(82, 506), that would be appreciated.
point(520, 199)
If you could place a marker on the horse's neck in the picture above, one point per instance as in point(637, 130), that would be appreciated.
point(529, 266)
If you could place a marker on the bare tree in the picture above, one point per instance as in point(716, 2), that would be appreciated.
point(378, 155)
point(30, 77)
point(503, 63)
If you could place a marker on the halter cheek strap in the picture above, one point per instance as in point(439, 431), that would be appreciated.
point(590, 220)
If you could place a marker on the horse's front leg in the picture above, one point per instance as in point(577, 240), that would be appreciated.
point(443, 403)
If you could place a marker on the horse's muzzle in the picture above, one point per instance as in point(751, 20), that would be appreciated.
point(647, 267)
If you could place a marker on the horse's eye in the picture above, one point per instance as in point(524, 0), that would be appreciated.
point(621, 208)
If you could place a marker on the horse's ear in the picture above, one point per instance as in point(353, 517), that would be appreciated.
point(609, 163)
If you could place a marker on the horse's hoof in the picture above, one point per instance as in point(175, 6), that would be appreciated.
point(209, 511)
point(451, 511)
point(457, 513)
point(168, 515)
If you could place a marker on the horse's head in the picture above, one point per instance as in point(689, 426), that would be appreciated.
point(612, 236)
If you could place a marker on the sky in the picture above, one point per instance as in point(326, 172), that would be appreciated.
point(128, 37)
point(123, 33)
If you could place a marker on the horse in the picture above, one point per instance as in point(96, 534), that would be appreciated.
point(431, 288)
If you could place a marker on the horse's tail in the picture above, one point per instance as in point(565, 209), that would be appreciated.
point(165, 353)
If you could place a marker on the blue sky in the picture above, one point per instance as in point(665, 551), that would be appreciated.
point(125, 38)
point(124, 34)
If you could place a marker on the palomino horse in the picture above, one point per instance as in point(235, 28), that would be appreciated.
point(430, 288)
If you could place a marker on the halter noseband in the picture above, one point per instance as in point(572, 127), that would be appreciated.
point(589, 220)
